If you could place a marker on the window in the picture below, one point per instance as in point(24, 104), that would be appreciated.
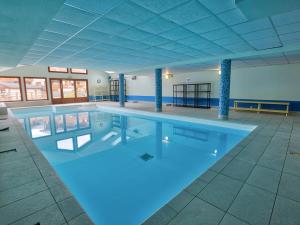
point(81, 88)
point(79, 71)
point(68, 88)
point(55, 89)
point(36, 88)
point(58, 69)
point(10, 89)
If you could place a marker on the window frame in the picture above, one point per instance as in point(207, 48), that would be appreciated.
point(20, 87)
point(73, 72)
point(51, 71)
point(46, 83)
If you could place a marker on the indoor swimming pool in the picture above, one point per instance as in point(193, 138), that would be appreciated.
point(123, 167)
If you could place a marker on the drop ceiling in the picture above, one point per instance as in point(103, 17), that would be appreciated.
point(131, 35)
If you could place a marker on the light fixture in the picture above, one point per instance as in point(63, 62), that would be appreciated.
point(109, 71)
point(219, 71)
point(168, 75)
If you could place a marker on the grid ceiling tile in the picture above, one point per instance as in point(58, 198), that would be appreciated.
point(288, 28)
point(108, 26)
point(38, 47)
point(119, 41)
point(176, 34)
point(233, 17)
point(73, 48)
point(265, 43)
point(171, 45)
point(46, 35)
point(192, 40)
point(290, 36)
point(74, 16)
point(80, 42)
point(219, 34)
point(188, 51)
point(216, 50)
point(291, 42)
point(93, 35)
point(136, 34)
point(205, 25)
point(238, 47)
point(47, 43)
point(187, 13)
point(259, 34)
point(62, 28)
point(251, 26)
point(229, 40)
point(217, 6)
point(203, 44)
point(255, 62)
point(95, 6)
point(159, 6)
point(62, 52)
point(130, 13)
point(286, 18)
point(155, 40)
point(49, 60)
point(157, 25)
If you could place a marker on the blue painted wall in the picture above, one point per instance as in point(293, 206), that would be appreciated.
point(294, 105)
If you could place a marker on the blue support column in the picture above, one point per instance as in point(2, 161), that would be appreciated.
point(158, 90)
point(224, 89)
point(121, 90)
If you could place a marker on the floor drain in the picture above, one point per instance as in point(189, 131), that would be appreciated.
point(7, 151)
point(146, 157)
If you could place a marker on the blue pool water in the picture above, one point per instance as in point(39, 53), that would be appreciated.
point(123, 168)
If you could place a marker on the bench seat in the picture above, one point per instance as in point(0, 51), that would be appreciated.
point(259, 108)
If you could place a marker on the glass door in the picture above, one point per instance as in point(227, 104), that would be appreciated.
point(68, 90)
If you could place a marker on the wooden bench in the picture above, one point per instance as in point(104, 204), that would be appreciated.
point(260, 109)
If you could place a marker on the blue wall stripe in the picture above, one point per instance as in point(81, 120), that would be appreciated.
point(294, 105)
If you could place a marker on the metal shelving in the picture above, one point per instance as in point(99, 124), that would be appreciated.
point(114, 90)
point(196, 95)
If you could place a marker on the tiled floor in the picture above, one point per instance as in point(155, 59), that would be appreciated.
point(30, 192)
point(256, 183)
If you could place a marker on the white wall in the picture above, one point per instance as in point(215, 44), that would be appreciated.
point(278, 82)
point(42, 71)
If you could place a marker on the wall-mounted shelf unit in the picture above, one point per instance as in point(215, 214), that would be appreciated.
point(196, 95)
